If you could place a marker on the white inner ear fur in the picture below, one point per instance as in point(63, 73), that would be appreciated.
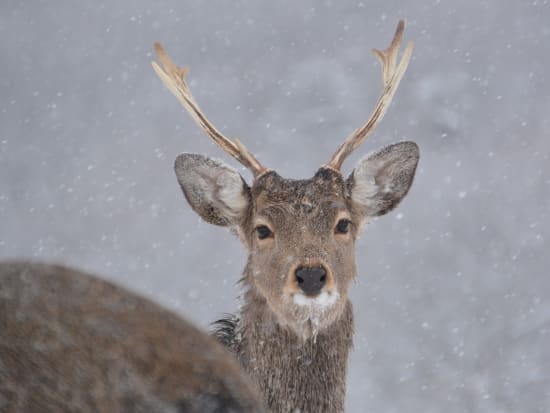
point(365, 190)
point(230, 192)
point(365, 187)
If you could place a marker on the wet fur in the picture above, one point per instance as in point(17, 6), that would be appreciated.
point(278, 360)
point(297, 354)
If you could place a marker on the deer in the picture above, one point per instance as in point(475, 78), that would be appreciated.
point(72, 342)
point(295, 327)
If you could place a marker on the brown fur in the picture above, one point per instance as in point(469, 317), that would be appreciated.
point(300, 235)
point(295, 347)
point(70, 342)
point(295, 374)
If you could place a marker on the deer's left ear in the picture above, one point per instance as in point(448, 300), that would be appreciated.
point(382, 179)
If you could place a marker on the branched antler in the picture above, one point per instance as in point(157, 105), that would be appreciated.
point(391, 76)
point(173, 78)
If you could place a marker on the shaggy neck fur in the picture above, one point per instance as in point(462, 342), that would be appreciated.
point(294, 375)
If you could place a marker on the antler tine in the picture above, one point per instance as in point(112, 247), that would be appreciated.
point(391, 76)
point(173, 78)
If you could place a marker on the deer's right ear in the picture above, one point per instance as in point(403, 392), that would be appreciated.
point(214, 190)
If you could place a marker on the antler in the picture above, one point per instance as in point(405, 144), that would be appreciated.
point(391, 76)
point(173, 78)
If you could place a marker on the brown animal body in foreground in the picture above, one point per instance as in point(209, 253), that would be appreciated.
point(295, 328)
point(70, 342)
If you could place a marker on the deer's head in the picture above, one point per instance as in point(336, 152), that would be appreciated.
point(300, 234)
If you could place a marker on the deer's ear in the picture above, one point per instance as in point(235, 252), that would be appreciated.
point(382, 179)
point(214, 190)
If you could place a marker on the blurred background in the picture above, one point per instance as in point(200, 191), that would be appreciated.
point(453, 299)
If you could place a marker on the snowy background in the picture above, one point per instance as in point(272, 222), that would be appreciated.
point(453, 299)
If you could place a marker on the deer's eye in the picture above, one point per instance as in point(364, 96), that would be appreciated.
point(342, 227)
point(263, 232)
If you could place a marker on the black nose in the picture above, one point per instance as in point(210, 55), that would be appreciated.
point(311, 279)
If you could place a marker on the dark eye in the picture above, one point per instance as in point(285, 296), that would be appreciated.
point(263, 232)
point(342, 227)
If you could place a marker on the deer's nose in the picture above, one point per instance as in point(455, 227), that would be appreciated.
point(311, 279)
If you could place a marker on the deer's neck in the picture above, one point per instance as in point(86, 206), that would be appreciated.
point(293, 374)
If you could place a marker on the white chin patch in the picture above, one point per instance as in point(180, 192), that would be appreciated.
point(323, 300)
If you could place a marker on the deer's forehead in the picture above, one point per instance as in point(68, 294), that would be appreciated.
point(324, 181)
point(322, 196)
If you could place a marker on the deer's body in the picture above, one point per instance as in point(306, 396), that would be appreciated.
point(70, 342)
